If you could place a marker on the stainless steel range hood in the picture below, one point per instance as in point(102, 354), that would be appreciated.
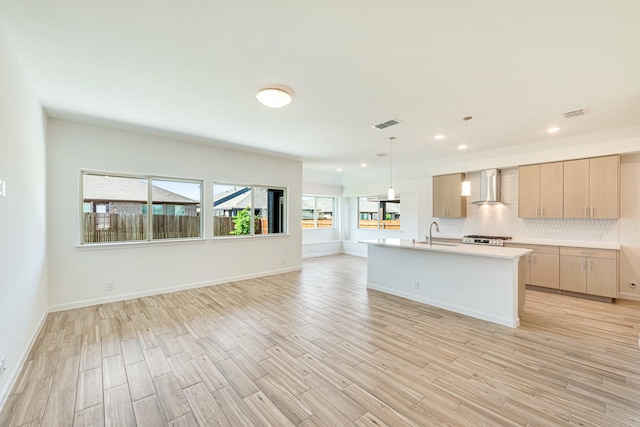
point(489, 186)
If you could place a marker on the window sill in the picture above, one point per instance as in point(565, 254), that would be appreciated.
point(255, 236)
point(138, 244)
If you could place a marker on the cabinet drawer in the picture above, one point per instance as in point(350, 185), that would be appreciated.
point(541, 249)
point(588, 252)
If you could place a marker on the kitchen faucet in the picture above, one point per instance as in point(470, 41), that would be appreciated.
point(430, 228)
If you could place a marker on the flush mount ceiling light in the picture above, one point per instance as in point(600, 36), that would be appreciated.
point(465, 189)
point(553, 129)
point(439, 136)
point(274, 97)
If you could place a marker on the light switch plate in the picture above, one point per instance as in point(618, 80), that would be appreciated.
point(2, 189)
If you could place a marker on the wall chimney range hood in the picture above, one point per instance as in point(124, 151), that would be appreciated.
point(489, 186)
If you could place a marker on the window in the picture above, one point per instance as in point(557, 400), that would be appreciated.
point(318, 211)
point(115, 208)
point(248, 210)
point(377, 212)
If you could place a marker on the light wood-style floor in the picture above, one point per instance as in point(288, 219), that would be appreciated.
point(316, 348)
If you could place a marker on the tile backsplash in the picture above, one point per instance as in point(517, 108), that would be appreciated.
point(501, 219)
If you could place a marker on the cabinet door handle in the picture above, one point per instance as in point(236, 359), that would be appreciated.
point(537, 210)
point(585, 211)
point(583, 262)
point(590, 265)
point(528, 259)
point(542, 212)
point(533, 259)
point(592, 212)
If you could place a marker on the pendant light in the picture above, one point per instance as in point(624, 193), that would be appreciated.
point(466, 184)
point(391, 193)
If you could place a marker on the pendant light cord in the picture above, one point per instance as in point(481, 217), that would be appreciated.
point(466, 142)
point(391, 161)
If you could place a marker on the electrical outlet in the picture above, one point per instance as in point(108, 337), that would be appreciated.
point(416, 284)
point(3, 366)
point(110, 286)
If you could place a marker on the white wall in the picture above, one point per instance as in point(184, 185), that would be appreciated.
point(630, 226)
point(23, 260)
point(78, 275)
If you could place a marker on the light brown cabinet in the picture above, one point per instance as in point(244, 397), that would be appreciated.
point(540, 190)
point(589, 271)
point(542, 266)
point(592, 187)
point(545, 267)
point(447, 201)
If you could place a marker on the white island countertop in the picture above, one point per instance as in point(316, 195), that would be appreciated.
point(460, 249)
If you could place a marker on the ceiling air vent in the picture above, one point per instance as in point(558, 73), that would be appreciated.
point(575, 113)
point(387, 124)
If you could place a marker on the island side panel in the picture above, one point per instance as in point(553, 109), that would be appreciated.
point(481, 287)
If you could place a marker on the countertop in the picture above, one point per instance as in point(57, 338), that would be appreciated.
point(460, 249)
point(595, 244)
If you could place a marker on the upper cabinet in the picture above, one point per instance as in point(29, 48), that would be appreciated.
point(540, 190)
point(447, 201)
point(592, 188)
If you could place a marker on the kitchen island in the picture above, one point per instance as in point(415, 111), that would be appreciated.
point(477, 281)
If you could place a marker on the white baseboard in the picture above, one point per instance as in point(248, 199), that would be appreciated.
point(318, 249)
point(15, 372)
point(133, 295)
point(355, 248)
point(319, 254)
point(512, 323)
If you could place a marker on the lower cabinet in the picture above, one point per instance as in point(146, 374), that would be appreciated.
point(542, 265)
point(545, 268)
point(589, 271)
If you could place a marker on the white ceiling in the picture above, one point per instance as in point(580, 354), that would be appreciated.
point(194, 67)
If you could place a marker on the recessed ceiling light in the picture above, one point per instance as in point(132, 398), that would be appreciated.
point(462, 147)
point(274, 97)
point(363, 165)
point(339, 169)
point(439, 136)
point(553, 129)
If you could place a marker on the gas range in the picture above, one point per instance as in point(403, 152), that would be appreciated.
point(474, 239)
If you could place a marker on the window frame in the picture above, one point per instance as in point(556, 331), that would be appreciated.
point(149, 214)
point(284, 219)
point(335, 207)
point(379, 199)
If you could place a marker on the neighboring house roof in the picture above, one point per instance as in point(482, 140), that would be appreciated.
point(323, 204)
point(116, 188)
point(368, 206)
point(241, 201)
